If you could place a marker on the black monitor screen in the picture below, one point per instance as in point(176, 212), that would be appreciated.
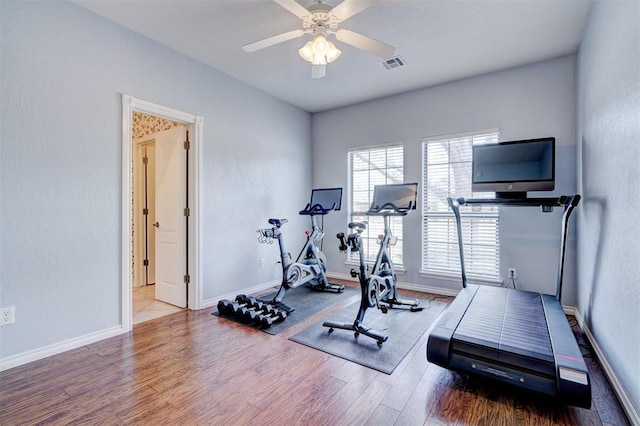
point(402, 195)
point(518, 166)
point(327, 198)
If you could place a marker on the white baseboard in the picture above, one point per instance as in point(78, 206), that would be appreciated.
point(77, 342)
point(624, 399)
point(406, 286)
point(231, 296)
point(56, 348)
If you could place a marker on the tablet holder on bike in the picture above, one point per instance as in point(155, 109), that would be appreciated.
point(309, 268)
point(378, 288)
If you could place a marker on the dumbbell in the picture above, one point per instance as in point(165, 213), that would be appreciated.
point(227, 307)
point(274, 315)
point(245, 300)
point(343, 245)
point(251, 313)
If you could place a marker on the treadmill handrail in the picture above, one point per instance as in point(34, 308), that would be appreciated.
point(569, 202)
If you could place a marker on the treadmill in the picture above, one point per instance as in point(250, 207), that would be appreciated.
point(518, 337)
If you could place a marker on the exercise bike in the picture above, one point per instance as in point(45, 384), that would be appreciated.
point(379, 287)
point(310, 266)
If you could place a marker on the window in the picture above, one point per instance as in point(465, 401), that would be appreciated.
point(447, 172)
point(367, 168)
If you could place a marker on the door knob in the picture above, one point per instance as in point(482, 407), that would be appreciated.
point(157, 225)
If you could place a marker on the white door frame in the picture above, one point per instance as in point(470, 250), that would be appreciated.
point(138, 205)
point(194, 123)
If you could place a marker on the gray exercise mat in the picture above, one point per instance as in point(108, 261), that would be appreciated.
point(307, 303)
point(403, 327)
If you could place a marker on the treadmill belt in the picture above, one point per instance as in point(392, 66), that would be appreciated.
point(508, 326)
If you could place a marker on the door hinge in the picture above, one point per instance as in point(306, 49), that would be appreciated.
point(145, 262)
point(187, 279)
point(145, 212)
point(187, 212)
point(187, 145)
point(145, 160)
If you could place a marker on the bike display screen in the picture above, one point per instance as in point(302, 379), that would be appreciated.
point(402, 195)
point(327, 198)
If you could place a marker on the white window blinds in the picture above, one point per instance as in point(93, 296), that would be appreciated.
point(367, 168)
point(447, 172)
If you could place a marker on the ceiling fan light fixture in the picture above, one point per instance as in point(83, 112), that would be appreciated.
point(319, 51)
point(306, 52)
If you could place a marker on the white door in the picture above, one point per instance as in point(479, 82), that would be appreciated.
point(151, 205)
point(170, 221)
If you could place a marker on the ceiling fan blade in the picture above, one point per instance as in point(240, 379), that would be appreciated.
point(294, 7)
point(348, 8)
point(365, 43)
point(318, 71)
point(270, 41)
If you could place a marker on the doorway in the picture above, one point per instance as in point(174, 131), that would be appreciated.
point(148, 299)
point(170, 142)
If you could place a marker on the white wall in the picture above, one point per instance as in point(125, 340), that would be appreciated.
point(526, 102)
point(609, 170)
point(63, 70)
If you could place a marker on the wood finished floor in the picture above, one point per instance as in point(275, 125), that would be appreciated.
point(196, 368)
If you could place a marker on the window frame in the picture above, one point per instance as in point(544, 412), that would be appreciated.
point(369, 237)
point(473, 217)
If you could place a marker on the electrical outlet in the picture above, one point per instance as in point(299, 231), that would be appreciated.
point(512, 273)
point(262, 262)
point(7, 316)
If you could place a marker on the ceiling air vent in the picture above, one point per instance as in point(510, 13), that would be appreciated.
point(394, 62)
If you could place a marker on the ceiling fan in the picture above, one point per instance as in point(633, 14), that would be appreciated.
point(320, 20)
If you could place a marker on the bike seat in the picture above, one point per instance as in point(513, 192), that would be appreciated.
point(277, 222)
point(362, 225)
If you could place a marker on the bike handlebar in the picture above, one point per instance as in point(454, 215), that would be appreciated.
point(390, 209)
point(316, 209)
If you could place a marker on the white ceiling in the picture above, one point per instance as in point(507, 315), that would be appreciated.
point(440, 41)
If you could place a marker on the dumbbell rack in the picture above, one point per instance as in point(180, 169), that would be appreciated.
point(252, 311)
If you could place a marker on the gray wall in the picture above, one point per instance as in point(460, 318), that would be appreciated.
point(63, 70)
point(530, 101)
point(609, 170)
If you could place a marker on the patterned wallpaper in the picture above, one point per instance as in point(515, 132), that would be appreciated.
point(145, 125)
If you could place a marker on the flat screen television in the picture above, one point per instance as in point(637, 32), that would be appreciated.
point(511, 169)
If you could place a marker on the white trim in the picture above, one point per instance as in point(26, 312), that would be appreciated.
point(126, 310)
point(429, 139)
point(56, 348)
point(368, 147)
point(405, 286)
point(129, 105)
point(400, 270)
point(623, 398)
point(250, 290)
point(340, 276)
point(428, 289)
point(456, 278)
point(195, 177)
